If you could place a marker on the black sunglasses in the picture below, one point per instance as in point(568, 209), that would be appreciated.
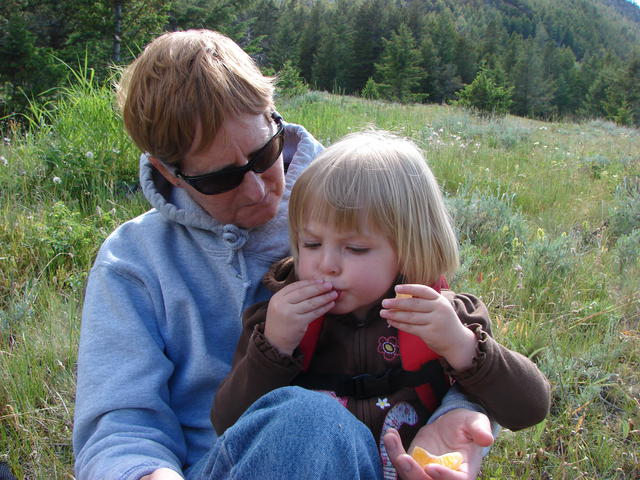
point(231, 177)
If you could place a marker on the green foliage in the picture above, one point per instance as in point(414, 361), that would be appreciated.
point(371, 90)
point(485, 95)
point(289, 83)
point(487, 221)
point(399, 67)
point(439, 52)
point(26, 70)
point(41, 33)
point(627, 253)
point(533, 87)
point(547, 262)
point(625, 208)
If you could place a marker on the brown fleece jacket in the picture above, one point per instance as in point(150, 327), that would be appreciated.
point(508, 385)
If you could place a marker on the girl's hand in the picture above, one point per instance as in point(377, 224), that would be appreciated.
point(431, 317)
point(458, 430)
point(293, 308)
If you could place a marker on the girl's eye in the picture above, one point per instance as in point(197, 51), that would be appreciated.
point(310, 244)
point(359, 250)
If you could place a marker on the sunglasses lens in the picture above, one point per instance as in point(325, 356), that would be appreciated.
point(223, 182)
point(264, 159)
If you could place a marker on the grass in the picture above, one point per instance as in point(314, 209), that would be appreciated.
point(548, 220)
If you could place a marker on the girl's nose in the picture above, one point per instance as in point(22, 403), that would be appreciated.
point(330, 264)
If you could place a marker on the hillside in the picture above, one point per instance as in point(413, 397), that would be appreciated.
point(626, 8)
point(557, 59)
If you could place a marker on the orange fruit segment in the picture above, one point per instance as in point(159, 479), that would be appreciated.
point(403, 295)
point(451, 460)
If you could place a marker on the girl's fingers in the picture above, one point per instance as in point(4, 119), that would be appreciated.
point(406, 316)
point(305, 289)
point(414, 304)
point(318, 312)
point(318, 302)
point(417, 290)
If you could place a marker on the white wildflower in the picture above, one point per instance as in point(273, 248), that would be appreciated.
point(56, 180)
point(4, 161)
point(89, 155)
point(383, 403)
point(7, 140)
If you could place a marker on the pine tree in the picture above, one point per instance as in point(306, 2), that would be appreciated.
point(438, 52)
point(284, 43)
point(399, 68)
point(369, 30)
point(533, 90)
point(487, 93)
point(334, 55)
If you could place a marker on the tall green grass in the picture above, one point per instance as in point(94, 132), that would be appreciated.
point(547, 215)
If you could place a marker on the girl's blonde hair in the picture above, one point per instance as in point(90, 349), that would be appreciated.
point(380, 181)
point(184, 81)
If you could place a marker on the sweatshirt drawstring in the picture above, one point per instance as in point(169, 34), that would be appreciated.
point(235, 238)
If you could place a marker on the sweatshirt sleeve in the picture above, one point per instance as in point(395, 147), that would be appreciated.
point(514, 392)
point(258, 368)
point(124, 427)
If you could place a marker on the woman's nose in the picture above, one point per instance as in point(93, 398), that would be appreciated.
point(253, 186)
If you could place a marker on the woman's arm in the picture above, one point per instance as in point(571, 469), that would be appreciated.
point(124, 426)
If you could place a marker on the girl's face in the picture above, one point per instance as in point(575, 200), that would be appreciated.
point(361, 266)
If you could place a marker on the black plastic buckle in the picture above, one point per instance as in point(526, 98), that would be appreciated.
point(367, 385)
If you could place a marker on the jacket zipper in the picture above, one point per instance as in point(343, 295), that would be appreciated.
point(360, 349)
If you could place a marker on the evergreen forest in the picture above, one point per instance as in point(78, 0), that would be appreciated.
point(545, 59)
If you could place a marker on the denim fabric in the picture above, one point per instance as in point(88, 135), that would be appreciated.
point(292, 433)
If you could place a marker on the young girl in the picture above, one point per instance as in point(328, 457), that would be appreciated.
point(362, 310)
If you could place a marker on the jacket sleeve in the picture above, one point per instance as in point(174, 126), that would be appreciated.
point(123, 429)
point(508, 385)
point(258, 368)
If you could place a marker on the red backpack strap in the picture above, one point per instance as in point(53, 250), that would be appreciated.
point(309, 341)
point(414, 353)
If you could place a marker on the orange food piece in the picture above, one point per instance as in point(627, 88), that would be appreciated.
point(451, 460)
point(403, 295)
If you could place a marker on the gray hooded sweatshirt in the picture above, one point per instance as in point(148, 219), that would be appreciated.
point(161, 319)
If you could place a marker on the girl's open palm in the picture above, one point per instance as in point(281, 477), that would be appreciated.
point(292, 309)
point(458, 430)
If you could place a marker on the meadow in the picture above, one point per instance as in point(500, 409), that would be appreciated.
point(548, 216)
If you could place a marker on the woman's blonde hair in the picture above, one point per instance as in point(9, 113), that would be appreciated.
point(380, 181)
point(184, 81)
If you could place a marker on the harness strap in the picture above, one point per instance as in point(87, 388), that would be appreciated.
point(366, 385)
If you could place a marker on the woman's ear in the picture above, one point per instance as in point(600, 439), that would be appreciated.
point(165, 172)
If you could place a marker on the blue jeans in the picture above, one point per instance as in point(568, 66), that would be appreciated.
point(292, 433)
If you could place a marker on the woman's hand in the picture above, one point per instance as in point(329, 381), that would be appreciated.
point(458, 430)
point(163, 474)
point(430, 316)
point(293, 308)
